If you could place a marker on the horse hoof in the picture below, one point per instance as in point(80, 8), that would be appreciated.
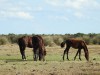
point(68, 59)
point(35, 60)
point(24, 59)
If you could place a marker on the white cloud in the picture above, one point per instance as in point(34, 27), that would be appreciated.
point(62, 18)
point(53, 2)
point(2, 1)
point(24, 15)
point(79, 15)
point(75, 4)
point(80, 8)
point(18, 14)
point(19, 10)
point(37, 9)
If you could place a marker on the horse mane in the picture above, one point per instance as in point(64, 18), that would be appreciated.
point(86, 50)
point(84, 44)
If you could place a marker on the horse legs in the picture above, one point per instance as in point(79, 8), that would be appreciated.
point(22, 51)
point(79, 51)
point(67, 54)
point(66, 50)
point(41, 55)
point(36, 52)
point(80, 54)
point(76, 55)
point(64, 54)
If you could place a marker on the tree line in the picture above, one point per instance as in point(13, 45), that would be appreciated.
point(52, 39)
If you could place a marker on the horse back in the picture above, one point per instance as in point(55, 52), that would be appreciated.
point(25, 41)
point(38, 42)
point(76, 43)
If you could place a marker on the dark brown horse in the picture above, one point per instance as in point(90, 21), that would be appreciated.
point(77, 44)
point(26, 41)
point(38, 47)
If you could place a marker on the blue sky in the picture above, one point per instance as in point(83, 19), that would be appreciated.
point(49, 16)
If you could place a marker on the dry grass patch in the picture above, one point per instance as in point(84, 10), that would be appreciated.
point(11, 63)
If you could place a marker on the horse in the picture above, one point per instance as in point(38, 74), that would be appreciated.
point(76, 44)
point(26, 41)
point(38, 48)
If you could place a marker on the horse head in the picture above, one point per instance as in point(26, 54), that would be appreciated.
point(62, 44)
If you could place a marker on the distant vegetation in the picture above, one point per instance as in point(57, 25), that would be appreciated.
point(52, 39)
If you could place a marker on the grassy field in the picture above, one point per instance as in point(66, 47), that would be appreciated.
point(11, 63)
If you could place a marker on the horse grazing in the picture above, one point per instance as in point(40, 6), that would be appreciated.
point(77, 44)
point(38, 48)
point(26, 41)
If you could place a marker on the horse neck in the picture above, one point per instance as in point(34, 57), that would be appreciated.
point(65, 42)
point(86, 52)
point(85, 47)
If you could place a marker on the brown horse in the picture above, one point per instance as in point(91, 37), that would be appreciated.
point(77, 44)
point(26, 41)
point(38, 47)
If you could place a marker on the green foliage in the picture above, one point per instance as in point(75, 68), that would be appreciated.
point(57, 40)
point(48, 41)
point(87, 39)
point(12, 38)
point(78, 35)
point(3, 40)
point(96, 39)
point(53, 39)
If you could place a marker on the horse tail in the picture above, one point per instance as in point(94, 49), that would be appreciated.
point(63, 44)
point(86, 51)
point(19, 42)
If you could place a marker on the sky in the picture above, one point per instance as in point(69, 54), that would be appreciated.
point(49, 16)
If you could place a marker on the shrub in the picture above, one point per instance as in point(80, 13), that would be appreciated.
point(48, 41)
point(3, 40)
point(12, 38)
point(87, 39)
point(96, 39)
point(57, 40)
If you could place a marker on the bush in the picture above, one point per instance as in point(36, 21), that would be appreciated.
point(3, 40)
point(96, 39)
point(57, 40)
point(87, 39)
point(48, 41)
point(12, 38)
point(54, 39)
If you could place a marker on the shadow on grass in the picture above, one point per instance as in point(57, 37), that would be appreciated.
point(15, 60)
